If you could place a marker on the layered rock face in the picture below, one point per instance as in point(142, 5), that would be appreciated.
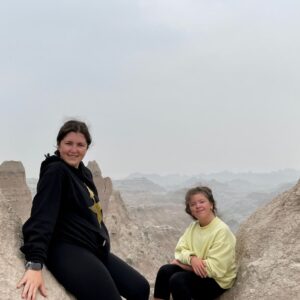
point(15, 205)
point(103, 184)
point(146, 248)
point(14, 188)
point(129, 241)
point(268, 252)
point(268, 247)
point(11, 265)
point(12, 260)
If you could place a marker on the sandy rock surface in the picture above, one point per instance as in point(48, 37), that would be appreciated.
point(268, 252)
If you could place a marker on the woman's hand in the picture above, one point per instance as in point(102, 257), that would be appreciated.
point(32, 281)
point(181, 265)
point(199, 266)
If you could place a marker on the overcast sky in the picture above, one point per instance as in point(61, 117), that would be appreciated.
point(166, 86)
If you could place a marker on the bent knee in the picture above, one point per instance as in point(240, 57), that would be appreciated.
point(167, 270)
point(176, 281)
point(141, 291)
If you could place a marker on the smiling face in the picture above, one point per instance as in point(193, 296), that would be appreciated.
point(72, 148)
point(201, 208)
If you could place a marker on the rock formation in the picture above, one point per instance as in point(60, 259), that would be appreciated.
point(15, 204)
point(268, 252)
point(138, 185)
point(134, 243)
point(104, 185)
point(14, 188)
point(145, 247)
point(12, 260)
point(268, 247)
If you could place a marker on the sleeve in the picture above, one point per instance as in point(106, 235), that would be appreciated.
point(38, 229)
point(183, 250)
point(221, 255)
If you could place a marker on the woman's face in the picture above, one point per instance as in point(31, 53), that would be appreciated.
point(72, 148)
point(200, 206)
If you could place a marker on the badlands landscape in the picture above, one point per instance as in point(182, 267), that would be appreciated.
point(145, 216)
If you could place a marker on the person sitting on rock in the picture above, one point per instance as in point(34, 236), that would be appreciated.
point(66, 231)
point(204, 265)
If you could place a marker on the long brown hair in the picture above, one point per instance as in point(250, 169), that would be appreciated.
point(73, 126)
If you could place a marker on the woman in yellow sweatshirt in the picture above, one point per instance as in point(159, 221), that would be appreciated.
point(204, 265)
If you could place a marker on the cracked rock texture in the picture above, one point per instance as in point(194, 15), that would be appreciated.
point(15, 204)
point(103, 184)
point(268, 243)
point(268, 252)
point(14, 188)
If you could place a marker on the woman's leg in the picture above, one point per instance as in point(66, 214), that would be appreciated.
point(162, 282)
point(188, 285)
point(131, 284)
point(81, 272)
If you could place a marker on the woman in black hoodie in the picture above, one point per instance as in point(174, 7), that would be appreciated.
point(66, 231)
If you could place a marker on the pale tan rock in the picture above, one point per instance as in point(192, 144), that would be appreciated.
point(268, 245)
point(14, 188)
point(268, 252)
point(15, 205)
point(12, 260)
point(103, 184)
point(145, 248)
point(117, 215)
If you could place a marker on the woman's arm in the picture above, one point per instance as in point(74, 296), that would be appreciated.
point(183, 250)
point(39, 228)
point(220, 258)
point(181, 265)
point(185, 257)
point(198, 266)
point(32, 281)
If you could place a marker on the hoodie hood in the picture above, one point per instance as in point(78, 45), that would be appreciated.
point(82, 172)
point(48, 160)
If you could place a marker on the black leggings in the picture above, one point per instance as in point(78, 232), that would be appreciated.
point(89, 277)
point(184, 285)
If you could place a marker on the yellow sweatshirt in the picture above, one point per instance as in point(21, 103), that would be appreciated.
point(215, 244)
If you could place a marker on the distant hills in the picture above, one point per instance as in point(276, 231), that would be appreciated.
point(258, 179)
point(141, 184)
point(237, 194)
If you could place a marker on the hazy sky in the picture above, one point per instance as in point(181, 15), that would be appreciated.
point(167, 86)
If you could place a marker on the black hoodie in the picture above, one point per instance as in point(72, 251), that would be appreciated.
point(62, 211)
